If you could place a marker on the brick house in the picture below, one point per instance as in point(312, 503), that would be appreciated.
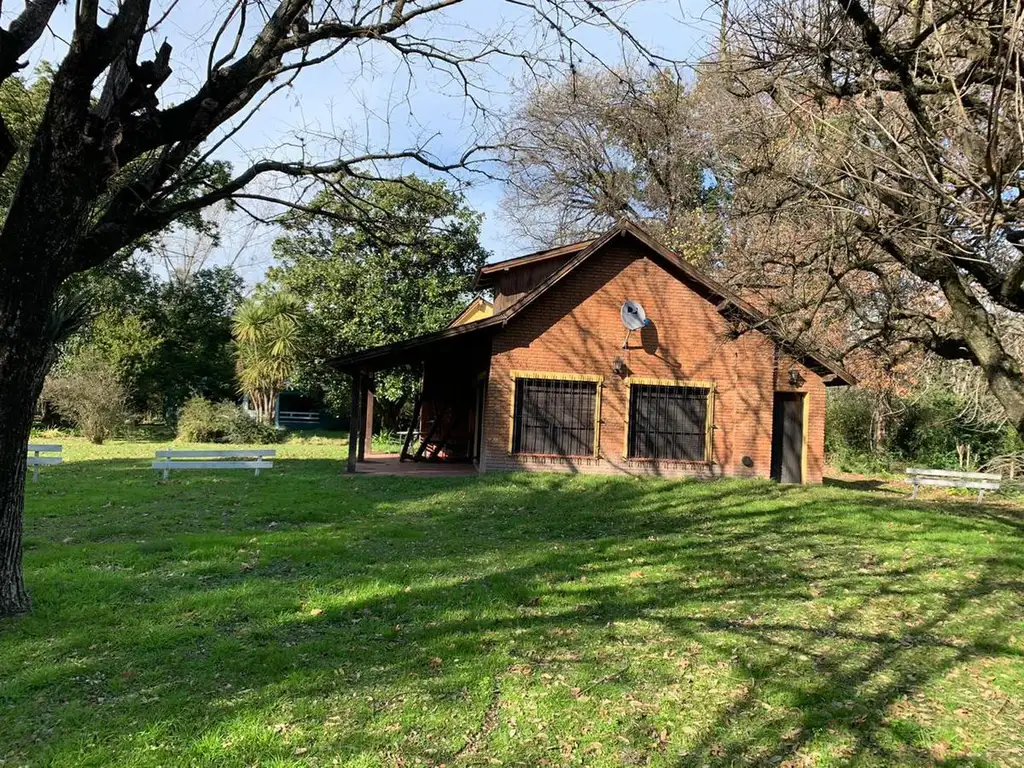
point(546, 376)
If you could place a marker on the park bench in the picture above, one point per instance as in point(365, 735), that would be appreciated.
point(252, 458)
point(35, 460)
point(945, 478)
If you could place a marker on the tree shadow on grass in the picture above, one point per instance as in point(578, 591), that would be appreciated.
point(524, 619)
point(863, 484)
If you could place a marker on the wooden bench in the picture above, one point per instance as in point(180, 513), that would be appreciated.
point(35, 460)
point(256, 459)
point(945, 478)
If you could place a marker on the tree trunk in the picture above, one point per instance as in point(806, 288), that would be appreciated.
point(26, 353)
point(24, 363)
point(14, 433)
point(879, 419)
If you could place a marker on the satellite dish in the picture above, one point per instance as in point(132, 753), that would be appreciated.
point(633, 316)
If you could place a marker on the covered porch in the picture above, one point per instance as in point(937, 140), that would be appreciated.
point(391, 464)
point(445, 428)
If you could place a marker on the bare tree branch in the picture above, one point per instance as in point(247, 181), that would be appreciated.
point(22, 34)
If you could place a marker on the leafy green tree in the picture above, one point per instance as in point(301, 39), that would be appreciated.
point(167, 340)
point(21, 103)
point(383, 261)
point(268, 342)
point(129, 343)
point(197, 355)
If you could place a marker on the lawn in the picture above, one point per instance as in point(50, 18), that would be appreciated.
point(308, 618)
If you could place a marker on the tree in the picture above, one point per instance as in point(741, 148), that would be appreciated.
point(402, 269)
point(196, 356)
point(112, 161)
point(903, 134)
point(168, 340)
point(89, 392)
point(601, 145)
point(268, 344)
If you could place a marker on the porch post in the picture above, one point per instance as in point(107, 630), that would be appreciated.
point(353, 421)
point(366, 420)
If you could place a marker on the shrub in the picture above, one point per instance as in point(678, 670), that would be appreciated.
point(848, 420)
point(88, 393)
point(198, 421)
point(931, 427)
point(936, 433)
point(203, 421)
point(240, 427)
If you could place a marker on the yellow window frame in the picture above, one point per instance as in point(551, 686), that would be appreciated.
point(557, 376)
point(709, 411)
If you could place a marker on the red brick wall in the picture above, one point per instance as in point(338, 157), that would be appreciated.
point(575, 328)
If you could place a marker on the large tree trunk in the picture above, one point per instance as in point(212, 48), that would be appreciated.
point(26, 354)
point(14, 434)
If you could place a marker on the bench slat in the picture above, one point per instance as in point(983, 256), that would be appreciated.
point(977, 485)
point(951, 473)
point(176, 465)
point(35, 460)
point(212, 454)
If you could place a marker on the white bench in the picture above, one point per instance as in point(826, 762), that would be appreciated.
point(35, 460)
point(945, 478)
point(257, 459)
point(302, 417)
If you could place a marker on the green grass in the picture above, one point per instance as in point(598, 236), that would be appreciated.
point(308, 618)
point(387, 441)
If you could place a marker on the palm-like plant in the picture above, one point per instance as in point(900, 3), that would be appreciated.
point(267, 340)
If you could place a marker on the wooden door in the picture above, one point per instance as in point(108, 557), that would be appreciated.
point(788, 437)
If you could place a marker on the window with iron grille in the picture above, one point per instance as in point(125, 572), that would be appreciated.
point(668, 422)
point(554, 417)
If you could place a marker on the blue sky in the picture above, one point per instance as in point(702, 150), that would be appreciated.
point(370, 100)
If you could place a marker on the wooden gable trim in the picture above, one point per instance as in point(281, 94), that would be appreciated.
point(485, 275)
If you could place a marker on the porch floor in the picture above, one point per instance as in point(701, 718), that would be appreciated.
point(388, 464)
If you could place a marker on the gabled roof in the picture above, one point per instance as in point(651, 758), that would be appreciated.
point(726, 302)
point(478, 309)
point(487, 275)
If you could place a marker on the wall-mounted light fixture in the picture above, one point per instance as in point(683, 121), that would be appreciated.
point(619, 366)
point(795, 379)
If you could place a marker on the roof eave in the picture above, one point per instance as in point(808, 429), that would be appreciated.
point(367, 358)
point(486, 276)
